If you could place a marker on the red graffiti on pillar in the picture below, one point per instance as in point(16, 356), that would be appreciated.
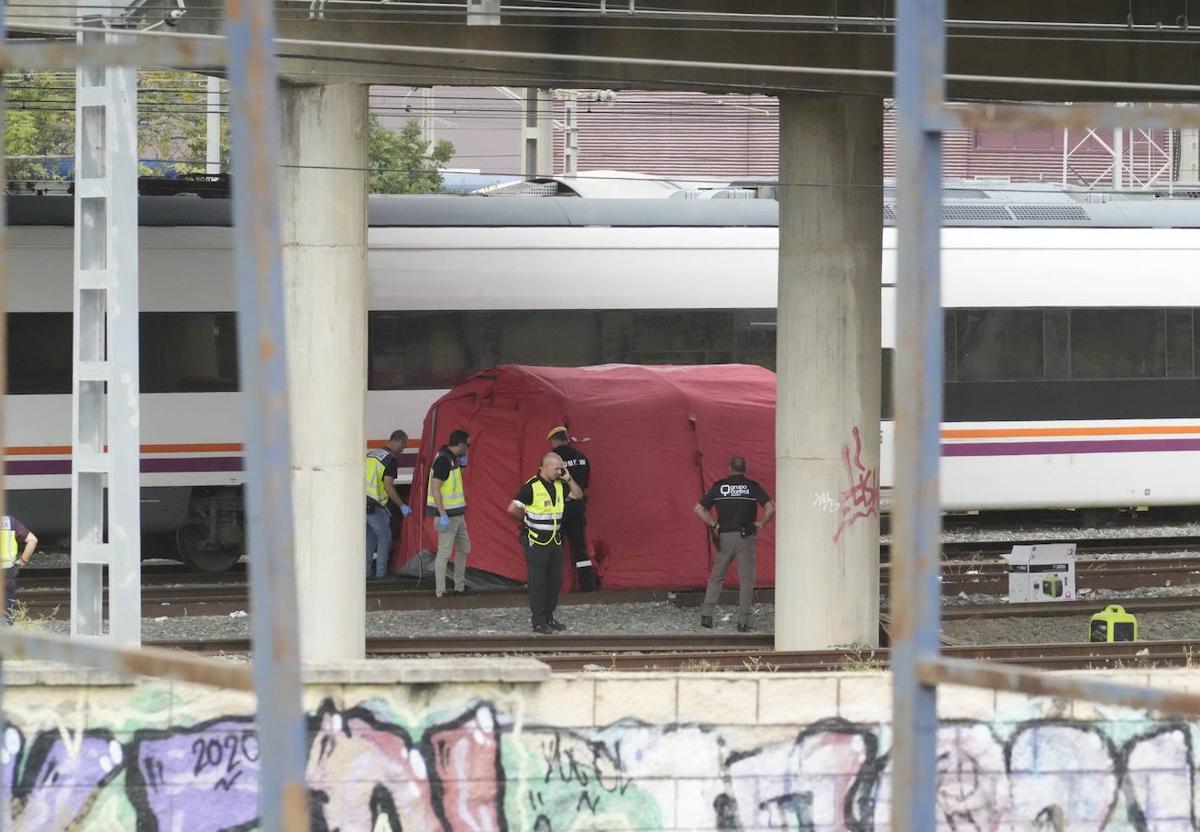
point(861, 499)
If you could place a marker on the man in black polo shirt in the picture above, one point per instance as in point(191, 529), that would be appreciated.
point(737, 499)
point(575, 520)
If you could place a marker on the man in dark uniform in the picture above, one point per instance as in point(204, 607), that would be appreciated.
point(540, 505)
point(13, 535)
point(737, 499)
point(575, 520)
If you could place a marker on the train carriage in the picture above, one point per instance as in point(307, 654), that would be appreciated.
point(1072, 370)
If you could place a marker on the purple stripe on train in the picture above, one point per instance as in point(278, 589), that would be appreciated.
point(149, 466)
point(154, 465)
point(1092, 446)
point(200, 464)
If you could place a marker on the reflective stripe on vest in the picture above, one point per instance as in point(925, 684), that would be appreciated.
point(376, 463)
point(453, 495)
point(8, 543)
point(544, 513)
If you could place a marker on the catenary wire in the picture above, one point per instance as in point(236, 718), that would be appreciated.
point(672, 63)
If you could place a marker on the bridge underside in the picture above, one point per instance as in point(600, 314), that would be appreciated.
point(1087, 39)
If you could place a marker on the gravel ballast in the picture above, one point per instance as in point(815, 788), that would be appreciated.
point(584, 619)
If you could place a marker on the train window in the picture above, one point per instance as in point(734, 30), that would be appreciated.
point(553, 338)
point(421, 350)
point(415, 350)
point(754, 337)
point(1196, 341)
point(681, 336)
point(39, 353)
point(188, 352)
point(998, 344)
point(1118, 343)
point(1056, 338)
point(1179, 343)
point(949, 347)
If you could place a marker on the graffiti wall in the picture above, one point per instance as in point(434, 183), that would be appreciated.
point(561, 756)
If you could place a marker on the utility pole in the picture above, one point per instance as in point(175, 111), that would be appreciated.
point(537, 134)
point(1189, 155)
point(105, 439)
point(212, 154)
point(428, 128)
point(1118, 149)
point(570, 133)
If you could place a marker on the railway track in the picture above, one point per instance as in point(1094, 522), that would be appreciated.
point(175, 600)
point(707, 652)
point(201, 595)
point(991, 577)
point(1056, 609)
point(991, 549)
point(172, 590)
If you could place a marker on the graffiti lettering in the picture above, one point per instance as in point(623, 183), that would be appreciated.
point(477, 771)
point(824, 502)
point(861, 498)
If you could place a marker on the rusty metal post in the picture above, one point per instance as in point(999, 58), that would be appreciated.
point(5, 783)
point(916, 597)
point(258, 262)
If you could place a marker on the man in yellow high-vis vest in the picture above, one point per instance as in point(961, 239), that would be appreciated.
point(446, 503)
point(13, 533)
point(382, 466)
point(540, 505)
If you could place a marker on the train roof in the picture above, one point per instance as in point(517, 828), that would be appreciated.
point(1027, 207)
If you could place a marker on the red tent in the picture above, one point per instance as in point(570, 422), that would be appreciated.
point(656, 437)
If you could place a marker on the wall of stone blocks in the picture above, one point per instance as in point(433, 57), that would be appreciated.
point(483, 746)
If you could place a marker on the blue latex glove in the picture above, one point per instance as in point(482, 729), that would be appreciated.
point(405, 511)
point(443, 522)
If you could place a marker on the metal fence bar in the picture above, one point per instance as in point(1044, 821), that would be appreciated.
point(1018, 117)
point(5, 783)
point(916, 596)
point(1039, 683)
point(254, 109)
point(177, 52)
point(147, 661)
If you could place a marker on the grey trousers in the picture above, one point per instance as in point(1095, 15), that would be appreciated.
point(452, 538)
point(731, 544)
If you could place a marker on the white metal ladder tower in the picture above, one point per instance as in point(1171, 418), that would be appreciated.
point(105, 448)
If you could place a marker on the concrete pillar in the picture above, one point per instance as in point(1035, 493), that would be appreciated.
point(325, 275)
point(828, 373)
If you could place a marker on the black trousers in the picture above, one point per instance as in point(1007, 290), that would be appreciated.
point(574, 530)
point(545, 574)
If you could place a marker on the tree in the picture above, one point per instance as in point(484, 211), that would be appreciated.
point(172, 133)
point(40, 123)
point(403, 162)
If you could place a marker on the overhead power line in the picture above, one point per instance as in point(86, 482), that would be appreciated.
point(673, 63)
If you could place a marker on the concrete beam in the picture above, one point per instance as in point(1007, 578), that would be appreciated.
point(984, 40)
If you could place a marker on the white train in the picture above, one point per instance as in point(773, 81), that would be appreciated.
point(1073, 340)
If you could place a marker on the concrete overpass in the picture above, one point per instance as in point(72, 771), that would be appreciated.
point(1146, 41)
